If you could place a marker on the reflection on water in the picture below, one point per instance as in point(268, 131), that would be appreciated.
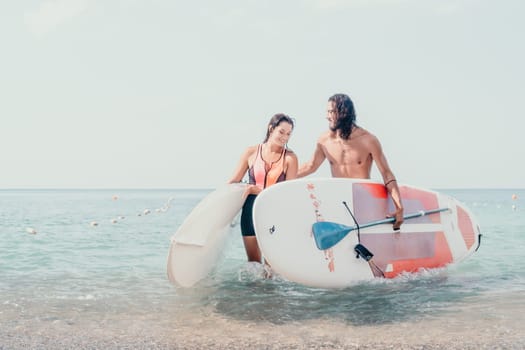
point(377, 302)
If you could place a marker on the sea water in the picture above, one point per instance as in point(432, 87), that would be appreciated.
point(87, 269)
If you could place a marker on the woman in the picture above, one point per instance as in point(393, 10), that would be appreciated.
point(267, 163)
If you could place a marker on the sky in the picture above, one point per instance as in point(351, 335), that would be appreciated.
point(168, 94)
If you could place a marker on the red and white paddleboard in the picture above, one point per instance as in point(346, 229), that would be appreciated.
point(438, 230)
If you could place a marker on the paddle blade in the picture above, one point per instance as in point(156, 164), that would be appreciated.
point(327, 234)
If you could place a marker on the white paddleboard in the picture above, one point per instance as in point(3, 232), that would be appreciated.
point(284, 215)
point(197, 245)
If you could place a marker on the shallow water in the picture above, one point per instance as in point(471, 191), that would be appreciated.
point(73, 284)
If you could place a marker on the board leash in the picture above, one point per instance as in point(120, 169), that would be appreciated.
point(363, 251)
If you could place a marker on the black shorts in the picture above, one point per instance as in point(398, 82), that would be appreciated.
point(247, 228)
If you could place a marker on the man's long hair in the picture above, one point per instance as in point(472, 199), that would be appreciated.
point(345, 112)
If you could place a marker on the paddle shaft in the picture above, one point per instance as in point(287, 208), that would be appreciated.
point(406, 217)
point(328, 234)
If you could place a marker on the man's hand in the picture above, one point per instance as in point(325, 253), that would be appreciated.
point(398, 216)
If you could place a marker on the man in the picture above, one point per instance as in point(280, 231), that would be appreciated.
point(351, 150)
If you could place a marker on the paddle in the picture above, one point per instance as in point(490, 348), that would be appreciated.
point(327, 234)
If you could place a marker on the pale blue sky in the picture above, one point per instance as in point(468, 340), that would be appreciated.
point(167, 94)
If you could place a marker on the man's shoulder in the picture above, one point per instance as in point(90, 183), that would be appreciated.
point(326, 136)
point(365, 135)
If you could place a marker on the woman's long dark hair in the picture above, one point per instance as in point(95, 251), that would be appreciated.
point(345, 112)
point(275, 121)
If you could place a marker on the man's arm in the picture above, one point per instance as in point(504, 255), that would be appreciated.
point(390, 181)
point(314, 163)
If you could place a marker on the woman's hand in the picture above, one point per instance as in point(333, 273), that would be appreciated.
point(251, 189)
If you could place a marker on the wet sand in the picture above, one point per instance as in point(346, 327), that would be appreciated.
point(491, 321)
point(42, 341)
point(219, 333)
